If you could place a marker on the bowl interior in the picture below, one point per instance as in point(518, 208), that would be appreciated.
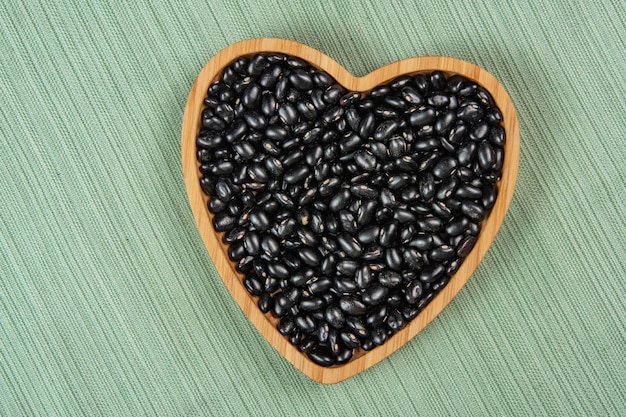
point(266, 323)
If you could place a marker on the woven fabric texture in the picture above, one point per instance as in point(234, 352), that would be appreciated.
point(110, 305)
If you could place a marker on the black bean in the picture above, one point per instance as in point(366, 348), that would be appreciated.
point(307, 237)
point(497, 136)
point(393, 258)
point(226, 112)
point(322, 79)
point(413, 292)
point(305, 323)
point(447, 188)
point(349, 245)
point(395, 102)
point(413, 258)
point(388, 234)
point(252, 243)
point(395, 299)
point(317, 98)
point(445, 167)
point(363, 191)
point(457, 227)
point(319, 285)
point(438, 80)
point(407, 232)
point(265, 302)
point(322, 356)
point(367, 125)
point(301, 79)
point(347, 267)
point(333, 94)
point(375, 295)
point(344, 285)
point(357, 326)
point(217, 205)
point(470, 112)
point(439, 100)
point(333, 341)
point(366, 212)
point(352, 306)
point(280, 89)
point(297, 174)
point(386, 129)
point(431, 273)
point(377, 316)
point(390, 279)
point(260, 220)
point(405, 163)
point(303, 216)
point(409, 194)
point(339, 201)
point(223, 222)
point(398, 182)
point(441, 253)
point(412, 96)
point(499, 160)
point(307, 109)
point(483, 96)
point(349, 143)
point(364, 277)
point(472, 210)
point(332, 224)
point(479, 132)
point(286, 326)
point(323, 331)
point(387, 198)
point(466, 246)
point(308, 344)
point(467, 153)
point(257, 173)
point(334, 316)
point(427, 186)
point(253, 285)
point(422, 116)
point(489, 197)
point(468, 191)
point(268, 77)
point(486, 155)
point(236, 251)
point(288, 113)
point(309, 256)
point(373, 253)
point(223, 190)
point(365, 160)
point(404, 216)
point(368, 234)
point(445, 123)
point(277, 270)
point(379, 336)
point(430, 223)
point(333, 114)
point(255, 120)
point(251, 96)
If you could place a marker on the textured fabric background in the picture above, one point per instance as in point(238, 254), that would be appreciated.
point(110, 305)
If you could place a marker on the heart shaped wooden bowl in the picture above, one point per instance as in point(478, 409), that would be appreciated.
point(266, 323)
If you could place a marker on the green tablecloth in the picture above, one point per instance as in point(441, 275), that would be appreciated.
point(110, 305)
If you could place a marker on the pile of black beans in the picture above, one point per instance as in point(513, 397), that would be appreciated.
point(346, 212)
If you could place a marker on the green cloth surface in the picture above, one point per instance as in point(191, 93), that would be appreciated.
point(111, 306)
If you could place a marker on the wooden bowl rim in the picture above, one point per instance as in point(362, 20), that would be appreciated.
point(217, 250)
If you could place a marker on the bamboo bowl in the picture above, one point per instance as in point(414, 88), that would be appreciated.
point(266, 323)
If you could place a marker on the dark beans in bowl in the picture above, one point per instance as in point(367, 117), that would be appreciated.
point(346, 212)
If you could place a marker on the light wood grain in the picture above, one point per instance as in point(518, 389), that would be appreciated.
point(265, 323)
